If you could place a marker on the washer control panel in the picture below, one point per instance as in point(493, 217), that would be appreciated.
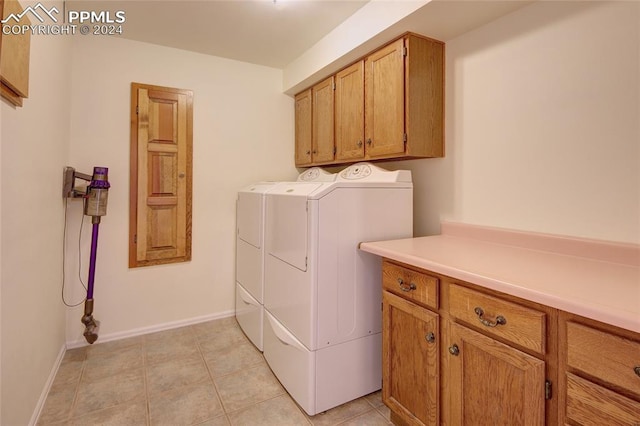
point(357, 171)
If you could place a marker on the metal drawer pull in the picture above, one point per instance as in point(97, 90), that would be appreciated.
point(500, 320)
point(405, 287)
point(637, 370)
point(454, 350)
point(430, 337)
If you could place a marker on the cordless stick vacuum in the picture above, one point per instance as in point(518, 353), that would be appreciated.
point(95, 205)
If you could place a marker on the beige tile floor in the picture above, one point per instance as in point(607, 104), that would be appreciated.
point(204, 374)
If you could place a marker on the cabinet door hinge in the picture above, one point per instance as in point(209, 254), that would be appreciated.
point(547, 389)
point(135, 239)
point(334, 85)
point(335, 150)
point(137, 109)
point(404, 51)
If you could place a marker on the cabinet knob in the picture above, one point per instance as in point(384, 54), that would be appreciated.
point(637, 370)
point(369, 141)
point(405, 287)
point(315, 152)
point(430, 337)
point(454, 350)
point(359, 144)
point(308, 152)
point(500, 320)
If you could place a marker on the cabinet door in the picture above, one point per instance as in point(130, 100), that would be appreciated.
point(350, 113)
point(384, 120)
point(322, 145)
point(303, 128)
point(492, 383)
point(410, 368)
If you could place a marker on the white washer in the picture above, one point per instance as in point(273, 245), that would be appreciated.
point(250, 213)
point(322, 329)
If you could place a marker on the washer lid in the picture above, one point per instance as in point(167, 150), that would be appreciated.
point(297, 189)
point(258, 187)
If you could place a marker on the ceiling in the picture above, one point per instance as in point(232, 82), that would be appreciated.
point(275, 33)
point(264, 32)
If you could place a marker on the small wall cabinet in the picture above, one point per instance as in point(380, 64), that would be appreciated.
point(14, 56)
point(389, 104)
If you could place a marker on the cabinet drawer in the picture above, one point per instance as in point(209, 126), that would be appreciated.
point(523, 326)
point(608, 357)
point(409, 284)
point(590, 404)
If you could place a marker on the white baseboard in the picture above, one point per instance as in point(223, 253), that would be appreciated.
point(151, 329)
point(47, 387)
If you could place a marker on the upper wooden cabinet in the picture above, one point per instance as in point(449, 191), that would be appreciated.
point(314, 124)
point(349, 113)
point(322, 139)
point(303, 128)
point(389, 104)
point(14, 56)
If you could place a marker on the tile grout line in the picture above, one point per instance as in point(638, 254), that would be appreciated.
point(146, 381)
point(78, 383)
point(213, 382)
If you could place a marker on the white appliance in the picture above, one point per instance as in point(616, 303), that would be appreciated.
point(250, 213)
point(322, 329)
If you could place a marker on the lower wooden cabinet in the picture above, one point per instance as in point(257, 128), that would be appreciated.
point(458, 354)
point(600, 373)
point(410, 360)
point(492, 383)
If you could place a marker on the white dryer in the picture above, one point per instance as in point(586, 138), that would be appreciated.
point(250, 213)
point(322, 330)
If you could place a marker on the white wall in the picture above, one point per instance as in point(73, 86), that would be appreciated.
point(35, 140)
point(243, 132)
point(542, 128)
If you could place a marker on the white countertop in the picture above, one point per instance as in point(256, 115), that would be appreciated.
point(602, 290)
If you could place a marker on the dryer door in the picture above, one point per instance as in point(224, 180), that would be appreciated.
point(287, 230)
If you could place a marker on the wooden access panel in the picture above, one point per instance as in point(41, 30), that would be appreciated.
point(161, 174)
